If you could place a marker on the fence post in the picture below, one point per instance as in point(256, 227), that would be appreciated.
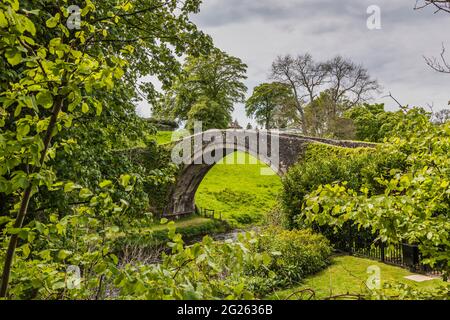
point(382, 252)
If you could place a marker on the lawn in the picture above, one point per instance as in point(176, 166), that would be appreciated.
point(162, 137)
point(239, 191)
point(348, 274)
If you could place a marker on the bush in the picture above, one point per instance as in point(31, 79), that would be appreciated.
point(244, 218)
point(275, 217)
point(358, 169)
point(292, 255)
point(323, 164)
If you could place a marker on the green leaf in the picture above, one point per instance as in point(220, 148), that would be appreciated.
point(62, 254)
point(105, 183)
point(29, 26)
point(125, 180)
point(85, 193)
point(69, 186)
point(14, 5)
point(84, 107)
point(53, 21)
point(45, 99)
point(26, 250)
point(14, 57)
point(3, 21)
point(58, 285)
point(4, 220)
point(23, 130)
point(98, 108)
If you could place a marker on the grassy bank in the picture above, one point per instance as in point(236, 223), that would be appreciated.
point(348, 275)
point(163, 137)
point(239, 191)
point(189, 228)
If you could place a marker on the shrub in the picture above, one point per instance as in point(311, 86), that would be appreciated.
point(323, 164)
point(275, 217)
point(244, 218)
point(292, 255)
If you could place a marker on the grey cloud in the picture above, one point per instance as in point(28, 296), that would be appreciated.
point(217, 13)
point(259, 30)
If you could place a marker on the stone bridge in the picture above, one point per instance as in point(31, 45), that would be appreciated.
point(198, 153)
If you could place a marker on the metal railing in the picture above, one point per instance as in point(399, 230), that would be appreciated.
point(209, 213)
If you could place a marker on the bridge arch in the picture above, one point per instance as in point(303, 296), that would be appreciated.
point(278, 150)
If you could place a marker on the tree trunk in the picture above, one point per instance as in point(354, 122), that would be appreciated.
point(26, 197)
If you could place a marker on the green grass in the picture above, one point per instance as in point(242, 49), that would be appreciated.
point(348, 275)
point(189, 228)
point(184, 223)
point(162, 137)
point(239, 191)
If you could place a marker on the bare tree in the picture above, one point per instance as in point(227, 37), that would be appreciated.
point(310, 75)
point(303, 75)
point(283, 70)
point(439, 64)
point(438, 5)
point(350, 83)
point(442, 116)
point(347, 82)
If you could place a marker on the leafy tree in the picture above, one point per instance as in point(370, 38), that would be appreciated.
point(210, 113)
point(266, 100)
point(217, 77)
point(372, 122)
point(53, 77)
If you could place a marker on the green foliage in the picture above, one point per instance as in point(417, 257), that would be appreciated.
point(208, 82)
point(81, 238)
point(372, 122)
point(323, 164)
point(211, 113)
point(189, 228)
point(290, 255)
point(414, 203)
point(266, 101)
point(67, 102)
point(157, 175)
point(324, 117)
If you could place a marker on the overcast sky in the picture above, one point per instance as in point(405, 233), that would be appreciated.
point(257, 31)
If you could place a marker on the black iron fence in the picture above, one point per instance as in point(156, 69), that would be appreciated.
point(402, 255)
